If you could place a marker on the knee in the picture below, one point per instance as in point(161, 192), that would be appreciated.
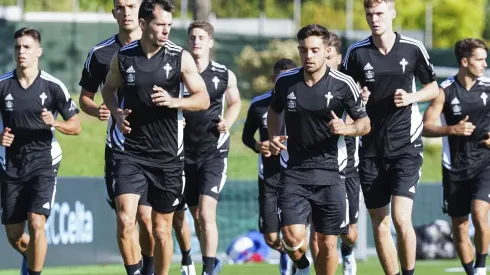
point(272, 241)
point(381, 225)
point(351, 238)
point(206, 217)
point(327, 244)
point(479, 218)
point(14, 235)
point(125, 222)
point(292, 240)
point(178, 221)
point(144, 221)
point(36, 223)
point(402, 223)
point(162, 230)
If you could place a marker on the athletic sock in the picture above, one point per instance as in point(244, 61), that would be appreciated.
point(33, 272)
point(208, 265)
point(186, 257)
point(480, 260)
point(148, 268)
point(303, 262)
point(468, 268)
point(346, 250)
point(408, 272)
point(131, 269)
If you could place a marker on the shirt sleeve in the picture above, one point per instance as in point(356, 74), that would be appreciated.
point(352, 103)
point(249, 129)
point(277, 101)
point(63, 102)
point(424, 70)
point(92, 75)
point(349, 66)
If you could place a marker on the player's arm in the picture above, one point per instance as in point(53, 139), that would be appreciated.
point(112, 83)
point(249, 129)
point(67, 108)
point(199, 99)
point(91, 80)
point(233, 103)
point(275, 119)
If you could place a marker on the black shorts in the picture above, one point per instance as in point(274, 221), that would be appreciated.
point(382, 178)
point(457, 195)
point(268, 221)
point(353, 188)
point(327, 204)
point(204, 178)
point(164, 186)
point(110, 183)
point(35, 195)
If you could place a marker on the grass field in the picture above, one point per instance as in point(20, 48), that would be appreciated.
point(83, 155)
point(370, 267)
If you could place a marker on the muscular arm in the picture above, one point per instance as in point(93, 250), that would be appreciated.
point(233, 101)
point(87, 103)
point(69, 127)
point(112, 83)
point(431, 115)
point(428, 92)
point(199, 99)
point(359, 127)
point(275, 122)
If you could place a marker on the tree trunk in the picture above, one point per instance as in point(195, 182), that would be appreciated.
point(201, 9)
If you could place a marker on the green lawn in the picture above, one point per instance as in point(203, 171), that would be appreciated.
point(370, 267)
point(83, 155)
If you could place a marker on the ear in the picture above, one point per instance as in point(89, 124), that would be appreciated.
point(393, 14)
point(339, 59)
point(39, 52)
point(464, 62)
point(142, 24)
point(211, 43)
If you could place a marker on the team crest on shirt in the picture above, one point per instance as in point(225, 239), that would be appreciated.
point(369, 72)
point(291, 102)
point(130, 77)
point(455, 105)
point(9, 103)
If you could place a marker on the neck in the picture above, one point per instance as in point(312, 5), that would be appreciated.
point(312, 79)
point(202, 63)
point(466, 79)
point(385, 42)
point(27, 74)
point(149, 49)
point(126, 37)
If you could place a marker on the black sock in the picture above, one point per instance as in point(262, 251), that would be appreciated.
point(468, 268)
point(131, 269)
point(346, 250)
point(303, 262)
point(480, 260)
point(186, 257)
point(33, 272)
point(208, 265)
point(148, 268)
point(408, 272)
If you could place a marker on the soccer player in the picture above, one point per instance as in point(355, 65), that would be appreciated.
point(206, 139)
point(93, 76)
point(391, 157)
point(352, 183)
point(462, 102)
point(30, 100)
point(314, 100)
point(149, 73)
point(269, 166)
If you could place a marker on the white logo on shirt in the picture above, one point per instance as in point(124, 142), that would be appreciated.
point(130, 77)
point(216, 81)
point(484, 98)
point(43, 97)
point(9, 103)
point(167, 69)
point(328, 96)
point(404, 63)
point(369, 72)
point(455, 106)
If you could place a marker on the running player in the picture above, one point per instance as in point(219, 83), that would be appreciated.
point(269, 166)
point(30, 100)
point(462, 106)
point(148, 139)
point(391, 155)
point(311, 99)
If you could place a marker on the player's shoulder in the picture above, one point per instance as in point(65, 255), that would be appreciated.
point(261, 98)
point(289, 75)
point(54, 83)
point(172, 47)
point(483, 81)
point(103, 45)
point(342, 79)
point(359, 45)
point(217, 67)
point(129, 47)
point(412, 43)
point(6, 78)
point(447, 83)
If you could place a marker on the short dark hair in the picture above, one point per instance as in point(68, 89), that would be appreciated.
point(148, 7)
point(371, 3)
point(200, 24)
point(114, 1)
point(284, 64)
point(335, 42)
point(465, 47)
point(28, 31)
point(314, 30)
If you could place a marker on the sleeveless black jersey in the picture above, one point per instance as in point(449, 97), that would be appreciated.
point(201, 136)
point(95, 69)
point(257, 120)
point(394, 131)
point(156, 137)
point(307, 110)
point(34, 147)
point(465, 156)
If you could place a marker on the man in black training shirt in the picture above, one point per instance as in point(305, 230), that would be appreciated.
point(30, 100)
point(269, 166)
point(391, 157)
point(94, 73)
point(465, 128)
point(206, 139)
point(314, 101)
point(149, 73)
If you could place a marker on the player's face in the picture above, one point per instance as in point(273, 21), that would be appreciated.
point(477, 63)
point(158, 29)
point(199, 42)
point(380, 17)
point(27, 51)
point(126, 14)
point(334, 58)
point(312, 53)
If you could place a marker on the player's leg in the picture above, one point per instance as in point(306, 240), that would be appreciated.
point(313, 242)
point(352, 187)
point(293, 210)
point(405, 174)
point(130, 184)
point(377, 199)
point(146, 239)
point(462, 242)
point(183, 236)
point(479, 215)
point(330, 216)
point(212, 183)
